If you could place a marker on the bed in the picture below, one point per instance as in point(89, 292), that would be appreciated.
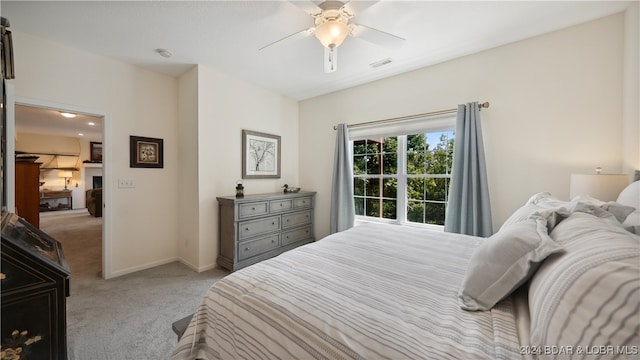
point(558, 280)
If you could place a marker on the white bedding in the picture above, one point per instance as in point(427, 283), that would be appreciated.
point(371, 292)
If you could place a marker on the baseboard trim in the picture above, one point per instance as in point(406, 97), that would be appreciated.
point(196, 268)
point(150, 265)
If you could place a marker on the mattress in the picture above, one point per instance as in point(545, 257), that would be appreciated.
point(372, 292)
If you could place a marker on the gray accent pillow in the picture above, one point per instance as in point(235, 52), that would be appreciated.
point(505, 261)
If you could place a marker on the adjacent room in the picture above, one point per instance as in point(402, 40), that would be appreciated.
point(309, 179)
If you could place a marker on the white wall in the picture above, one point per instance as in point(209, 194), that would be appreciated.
point(188, 243)
point(631, 137)
point(226, 106)
point(556, 109)
point(142, 222)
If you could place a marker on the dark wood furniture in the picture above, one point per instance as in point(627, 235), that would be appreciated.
point(94, 202)
point(49, 198)
point(27, 195)
point(35, 284)
point(258, 227)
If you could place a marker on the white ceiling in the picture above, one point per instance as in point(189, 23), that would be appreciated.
point(37, 120)
point(226, 35)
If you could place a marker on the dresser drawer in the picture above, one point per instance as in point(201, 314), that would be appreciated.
point(276, 206)
point(292, 236)
point(294, 219)
point(303, 202)
point(253, 209)
point(252, 248)
point(260, 226)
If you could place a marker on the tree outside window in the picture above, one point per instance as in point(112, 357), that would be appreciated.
point(381, 178)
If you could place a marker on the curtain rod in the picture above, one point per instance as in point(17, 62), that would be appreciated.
point(411, 117)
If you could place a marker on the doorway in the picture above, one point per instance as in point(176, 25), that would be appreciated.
point(68, 143)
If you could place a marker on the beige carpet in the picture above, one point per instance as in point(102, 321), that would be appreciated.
point(128, 317)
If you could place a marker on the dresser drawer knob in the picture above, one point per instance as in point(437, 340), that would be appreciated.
point(273, 241)
point(246, 249)
point(254, 209)
point(246, 229)
point(273, 223)
point(281, 204)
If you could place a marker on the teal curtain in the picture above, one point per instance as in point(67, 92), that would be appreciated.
point(469, 208)
point(342, 207)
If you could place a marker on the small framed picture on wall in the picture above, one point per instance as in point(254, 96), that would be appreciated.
point(95, 152)
point(145, 152)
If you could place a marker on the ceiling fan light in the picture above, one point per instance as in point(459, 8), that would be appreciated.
point(332, 33)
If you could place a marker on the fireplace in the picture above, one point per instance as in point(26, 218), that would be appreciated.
point(97, 182)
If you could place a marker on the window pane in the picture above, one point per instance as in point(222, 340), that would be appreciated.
point(373, 164)
point(359, 186)
point(373, 187)
point(390, 145)
point(435, 213)
point(415, 163)
point(415, 143)
point(440, 153)
point(374, 146)
point(389, 164)
point(359, 205)
point(415, 211)
point(390, 189)
point(359, 165)
point(372, 207)
point(437, 189)
point(389, 209)
point(415, 188)
point(359, 147)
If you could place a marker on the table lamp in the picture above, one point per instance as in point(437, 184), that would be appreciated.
point(605, 187)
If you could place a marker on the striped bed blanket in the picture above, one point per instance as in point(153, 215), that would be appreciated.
point(372, 292)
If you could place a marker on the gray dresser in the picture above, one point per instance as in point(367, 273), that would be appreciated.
point(258, 227)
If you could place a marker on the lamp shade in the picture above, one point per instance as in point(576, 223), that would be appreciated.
point(65, 174)
point(605, 187)
point(332, 33)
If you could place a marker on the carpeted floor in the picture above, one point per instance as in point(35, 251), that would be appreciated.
point(128, 317)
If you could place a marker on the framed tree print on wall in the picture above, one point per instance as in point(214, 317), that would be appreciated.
point(145, 152)
point(260, 155)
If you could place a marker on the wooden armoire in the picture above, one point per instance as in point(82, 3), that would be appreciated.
point(28, 189)
point(35, 278)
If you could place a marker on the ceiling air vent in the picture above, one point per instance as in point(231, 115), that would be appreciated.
point(379, 63)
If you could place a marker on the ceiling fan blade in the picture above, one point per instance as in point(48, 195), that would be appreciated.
point(355, 7)
point(307, 6)
point(295, 36)
point(330, 59)
point(376, 36)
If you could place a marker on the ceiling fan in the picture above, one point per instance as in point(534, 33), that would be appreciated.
point(332, 26)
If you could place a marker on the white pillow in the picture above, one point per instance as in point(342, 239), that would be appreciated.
point(630, 196)
point(505, 261)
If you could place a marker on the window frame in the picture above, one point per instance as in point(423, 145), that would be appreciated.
point(402, 176)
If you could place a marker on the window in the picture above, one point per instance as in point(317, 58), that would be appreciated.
point(403, 179)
